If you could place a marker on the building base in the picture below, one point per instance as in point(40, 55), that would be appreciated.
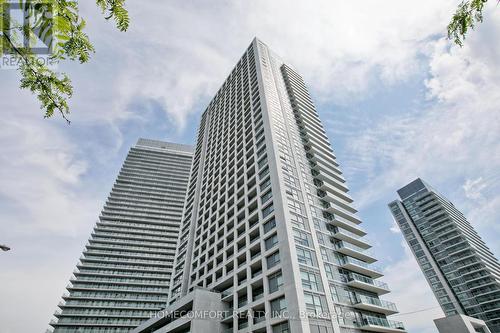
point(460, 324)
point(198, 311)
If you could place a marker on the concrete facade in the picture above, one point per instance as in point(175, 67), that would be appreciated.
point(124, 272)
point(460, 324)
point(268, 223)
point(199, 311)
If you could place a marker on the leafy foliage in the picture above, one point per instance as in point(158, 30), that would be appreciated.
point(51, 88)
point(115, 9)
point(467, 15)
point(57, 24)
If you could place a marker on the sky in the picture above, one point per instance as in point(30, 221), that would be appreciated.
point(397, 99)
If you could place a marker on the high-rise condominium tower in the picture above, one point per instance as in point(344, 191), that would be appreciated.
point(462, 272)
point(268, 230)
point(125, 268)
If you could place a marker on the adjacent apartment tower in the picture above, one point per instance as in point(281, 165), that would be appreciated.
point(462, 272)
point(125, 269)
point(269, 233)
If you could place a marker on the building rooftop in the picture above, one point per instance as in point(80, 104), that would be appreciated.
point(165, 145)
point(414, 187)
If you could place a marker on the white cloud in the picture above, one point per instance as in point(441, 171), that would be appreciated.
point(40, 179)
point(395, 228)
point(344, 49)
point(485, 215)
point(473, 188)
point(456, 137)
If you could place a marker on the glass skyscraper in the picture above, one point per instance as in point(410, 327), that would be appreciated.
point(269, 233)
point(461, 270)
point(125, 269)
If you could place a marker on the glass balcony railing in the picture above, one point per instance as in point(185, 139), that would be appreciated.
point(346, 245)
point(227, 293)
point(348, 233)
point(361, 267)
point(337, 207)
point(367, 280)
point(376, 321)
point(377, 302)
point(227, 314)
point(349, 260)
point(345, 223)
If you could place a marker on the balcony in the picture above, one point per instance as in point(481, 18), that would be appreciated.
point(350, 237)
point(328, 170)
point(335, 209)
point(319, 145)
point(309, 128)
point(361, 267)
point(375, 324)
point(257, 320)
point(326, 183)
point(227, 316)
point(343, 223)
point(362, 282)
point(335, 179)
point(227, 295)
point(320, 156)
point(375, 305)
point(354, 251)
point(332, 194)
point(307, 115)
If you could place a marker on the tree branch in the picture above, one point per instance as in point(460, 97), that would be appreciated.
point(35, 74)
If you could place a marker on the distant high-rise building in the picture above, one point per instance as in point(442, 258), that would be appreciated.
point(269, 233)
point(461, 270)
point(125, 269)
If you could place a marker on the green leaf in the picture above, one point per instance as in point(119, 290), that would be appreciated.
point(57, 23)
point(466, 16)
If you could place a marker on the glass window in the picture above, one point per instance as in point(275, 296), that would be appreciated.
point(310, 280)
point(305, 256)
point(265, 184)
point(278, 306)
point(330, 272)
point(299, 221)
point(281, 328)
point(271, 241)
point(268, 195)
point(313, 303)
point(302, 237)
point(262, 162)
point(275, 281)
point(269, 225)
point(273, 260)
point(264, 172)
point(267, 210)
point(335, 295)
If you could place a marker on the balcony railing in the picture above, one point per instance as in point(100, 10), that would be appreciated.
point(367, 280)
point(227, 292)
point(347, 245)
point(376, 321)
point(354, 251)
point(347, 233)
point(377, 302)
point(361, 267)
